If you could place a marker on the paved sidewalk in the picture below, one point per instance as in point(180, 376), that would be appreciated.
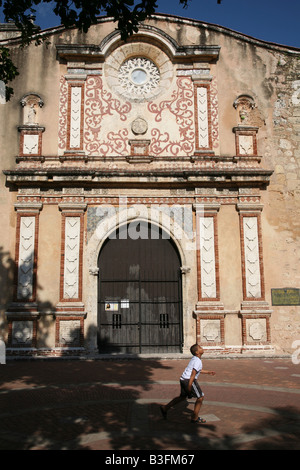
point(249, 404)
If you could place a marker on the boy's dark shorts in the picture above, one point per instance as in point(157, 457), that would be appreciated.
point(196, 391)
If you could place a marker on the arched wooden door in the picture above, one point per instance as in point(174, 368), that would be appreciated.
point(139, 301)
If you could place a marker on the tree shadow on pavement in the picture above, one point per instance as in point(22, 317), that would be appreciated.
point(114, 405)
point(279, 432)
point(56, 404)
point(65, 404)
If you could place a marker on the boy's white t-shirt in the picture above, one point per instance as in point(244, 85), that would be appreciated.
point(195, 363)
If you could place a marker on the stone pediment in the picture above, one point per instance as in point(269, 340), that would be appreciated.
point(147, 34)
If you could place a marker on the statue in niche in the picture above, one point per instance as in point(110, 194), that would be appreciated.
point(244, 115)
point(31, 116)
point(31, 102)
point(244, 104)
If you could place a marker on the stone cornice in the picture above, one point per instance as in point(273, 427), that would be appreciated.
point(254, 177)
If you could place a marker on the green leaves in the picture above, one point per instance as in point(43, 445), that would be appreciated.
point(8, 71)
point(79, 13)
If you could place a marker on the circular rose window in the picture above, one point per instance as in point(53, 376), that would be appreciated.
point(138, 77)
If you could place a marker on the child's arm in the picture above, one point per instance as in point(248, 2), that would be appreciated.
point(208, 372)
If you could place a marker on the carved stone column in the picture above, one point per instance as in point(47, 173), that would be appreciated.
point(255, 310)
point(22, 313)
point(75, 116)
point(203, 109)
point(70, 310)
point(209, 310)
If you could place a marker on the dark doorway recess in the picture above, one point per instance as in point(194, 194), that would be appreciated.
point(139, 294)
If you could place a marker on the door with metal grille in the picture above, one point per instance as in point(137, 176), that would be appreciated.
point(139, 302)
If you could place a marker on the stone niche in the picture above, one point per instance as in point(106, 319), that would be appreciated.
point(30, 131)
point(31, 104)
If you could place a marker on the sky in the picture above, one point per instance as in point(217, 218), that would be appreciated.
point(276, 21)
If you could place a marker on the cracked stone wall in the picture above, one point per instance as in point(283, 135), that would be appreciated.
point(282, 201)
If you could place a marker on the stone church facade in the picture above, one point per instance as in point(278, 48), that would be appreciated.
point(150, 193)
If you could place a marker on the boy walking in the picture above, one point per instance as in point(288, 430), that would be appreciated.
point(189, 386)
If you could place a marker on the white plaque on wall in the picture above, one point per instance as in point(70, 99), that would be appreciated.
point(30, 144)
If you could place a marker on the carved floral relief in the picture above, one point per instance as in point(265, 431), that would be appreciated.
point(99, 103)
point(107, 123)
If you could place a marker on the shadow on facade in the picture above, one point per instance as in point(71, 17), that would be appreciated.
point(9, 306)
point(7, 272)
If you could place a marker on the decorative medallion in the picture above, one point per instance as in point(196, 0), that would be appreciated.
point(139, 126)
point(138, 77)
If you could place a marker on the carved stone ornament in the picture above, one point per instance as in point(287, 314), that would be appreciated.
point(244, 105)
point(138, 76)
point(22, 332)
point(139, 126)
point(256, 330)
point(138, 72)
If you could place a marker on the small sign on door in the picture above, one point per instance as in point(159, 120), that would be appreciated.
point(111, 306)
point(124, 303)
